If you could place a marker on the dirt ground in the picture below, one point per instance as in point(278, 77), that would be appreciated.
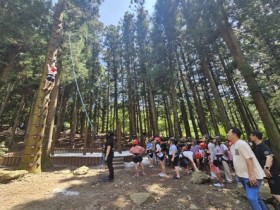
point(60, 189)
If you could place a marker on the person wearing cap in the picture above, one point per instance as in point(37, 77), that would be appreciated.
point(247, 168)
point(172, 147)
point(49, 82)
point(174, 156)
point(137, 158)
point(201, 163)
point(160, 156)
point(270, 165)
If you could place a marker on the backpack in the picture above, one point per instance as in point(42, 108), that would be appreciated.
point(154, 147)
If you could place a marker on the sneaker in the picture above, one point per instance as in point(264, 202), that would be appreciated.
point(161, 174)
point(239, 184)
point(151, 166)
point(218, 185)
point(175, 177)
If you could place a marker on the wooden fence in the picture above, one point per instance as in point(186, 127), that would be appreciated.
point(13, 158)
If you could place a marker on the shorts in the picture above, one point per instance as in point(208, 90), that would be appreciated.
point(274, 183)
point(184, 162)
point(176, 161)
point(151, 154)
point(50, 77)
point(161, 158)
point(137, 159)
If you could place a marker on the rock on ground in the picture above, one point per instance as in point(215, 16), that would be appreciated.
point(141, 198)
point(6, 176)
point(81, 171)
point(199, 177)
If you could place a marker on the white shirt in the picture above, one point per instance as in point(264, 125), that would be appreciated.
point(172, 149)
point(220, 150)
point(158, 149)
point(242, 151)
point(188, 154)
point(211, 149)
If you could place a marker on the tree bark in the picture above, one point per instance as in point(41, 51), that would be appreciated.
point(31, 159)
point(220, 105)
point(16, 121)
point(9, 90)
point(237, 100)
point(248, 74)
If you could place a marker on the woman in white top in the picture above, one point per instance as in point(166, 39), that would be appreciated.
point(222, 154)
point(160, 156)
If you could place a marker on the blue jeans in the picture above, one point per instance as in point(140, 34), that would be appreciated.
point(253, 194)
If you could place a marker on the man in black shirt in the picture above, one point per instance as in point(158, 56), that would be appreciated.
point(269, 164)
point(109, 155)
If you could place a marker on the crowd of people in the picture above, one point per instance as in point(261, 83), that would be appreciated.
point(251, 162)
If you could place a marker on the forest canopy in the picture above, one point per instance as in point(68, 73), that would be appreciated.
point(192, 68)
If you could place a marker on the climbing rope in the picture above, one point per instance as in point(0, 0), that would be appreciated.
point(75, 77)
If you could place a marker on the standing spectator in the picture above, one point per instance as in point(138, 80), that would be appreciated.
point(152, 153)
point(109, 155)
point(222, 154)
point(247, 168)
point(271, 166)
point(137, 158)
point(213, 167)
point(172, 147)
point(160, 156)
point(174, 156)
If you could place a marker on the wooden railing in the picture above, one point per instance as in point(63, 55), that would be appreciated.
point(13, 158)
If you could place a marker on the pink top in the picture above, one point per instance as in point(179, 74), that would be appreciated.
point(137, 150)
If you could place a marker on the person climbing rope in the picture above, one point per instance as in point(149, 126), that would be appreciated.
point(49, 82)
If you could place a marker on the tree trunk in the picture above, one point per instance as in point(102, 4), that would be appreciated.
point(31, 159)
point(210, 108)
point(152, 110)
point(248, 74)
point(184, 113)
point(16, 121)
point(237, 100)
point(174, 108)
point(168, 117)
point(60, 118)
point(190, 106)
point(9, 90)
point(147, 115)
point(221, 108)
point(73, 123)
point(48, 138)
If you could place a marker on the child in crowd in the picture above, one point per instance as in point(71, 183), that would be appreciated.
point(160, 156)
point(215, 171)
point(202, 148)
point(137, 152)
point(186, 159)
point(174, 156)
point(222, 155)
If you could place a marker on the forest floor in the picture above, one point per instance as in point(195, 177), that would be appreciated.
point(60, 189)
